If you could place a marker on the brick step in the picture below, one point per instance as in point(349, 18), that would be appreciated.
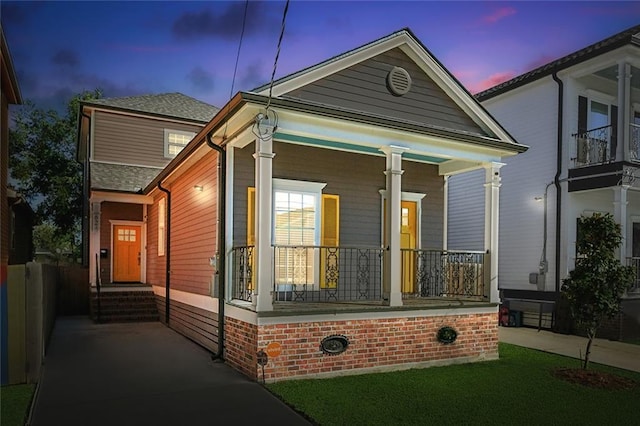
point(125, 307)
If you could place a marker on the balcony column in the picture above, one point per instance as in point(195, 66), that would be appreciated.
point(624, 105)
point(620, 216)
point(491, 214)
point(263, 275)
point(95, 212)
point(392, 283)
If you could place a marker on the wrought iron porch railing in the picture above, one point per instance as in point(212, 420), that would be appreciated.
point(634, 142)
point(327, 274)
point(593, 146)
point(349, 274)
point(443, 273)
point(242, 283)
point(635, 263)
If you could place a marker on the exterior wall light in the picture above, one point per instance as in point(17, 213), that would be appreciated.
point(198, 188)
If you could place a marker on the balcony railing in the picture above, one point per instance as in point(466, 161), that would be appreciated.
point(442, 273)
point(635, 263)
point(593, 146)
point(354, 274)
point(634, 142)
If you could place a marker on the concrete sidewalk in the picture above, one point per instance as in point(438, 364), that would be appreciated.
point(615, 354)
point(144, 373)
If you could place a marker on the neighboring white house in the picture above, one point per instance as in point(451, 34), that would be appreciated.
point(580, 116)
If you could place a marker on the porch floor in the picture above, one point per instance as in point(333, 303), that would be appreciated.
point(318, 308)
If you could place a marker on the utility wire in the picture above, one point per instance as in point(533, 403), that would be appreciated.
point(235, 69)
point(275, 62)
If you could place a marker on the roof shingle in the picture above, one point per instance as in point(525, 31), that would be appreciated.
point(174, 105)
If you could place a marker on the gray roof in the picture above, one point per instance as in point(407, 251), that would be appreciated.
point(630, 36)
point(118, 177)
point(175, 105)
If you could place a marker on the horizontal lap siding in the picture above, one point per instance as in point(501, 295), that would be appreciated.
point(466, 211)
point(193, 233)
point(363, 87)
point(193, 226)
point(356, 178)
point(132, 140)
point(197, 324)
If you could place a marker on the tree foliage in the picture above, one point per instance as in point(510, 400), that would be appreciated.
point(595, 287)
point(42, 161)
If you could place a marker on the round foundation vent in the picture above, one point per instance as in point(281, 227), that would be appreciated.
point(398, 81)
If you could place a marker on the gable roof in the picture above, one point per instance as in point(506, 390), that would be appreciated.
point(465, 106)
point(630, 36)
point(174, 105)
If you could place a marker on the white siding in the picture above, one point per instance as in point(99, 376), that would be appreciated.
point(530, 115)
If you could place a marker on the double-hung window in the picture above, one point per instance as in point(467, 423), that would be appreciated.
point(303, 219)
point(296, 231)
point(175, 140)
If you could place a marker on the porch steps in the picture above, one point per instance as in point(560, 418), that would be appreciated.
point(124, 306)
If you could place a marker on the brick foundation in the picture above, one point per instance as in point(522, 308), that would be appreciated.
point(374, 345)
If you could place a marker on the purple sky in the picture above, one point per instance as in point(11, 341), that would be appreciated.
point(131, 48)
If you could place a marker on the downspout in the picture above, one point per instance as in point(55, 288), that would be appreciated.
point(168, 255)
point(86, 192)
point(556, 179)
point(220, 270)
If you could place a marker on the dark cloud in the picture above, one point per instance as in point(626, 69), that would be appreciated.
point(225, 24)
point(13, 12)
point(65, 57)
point(253, 76)
point(201, 79)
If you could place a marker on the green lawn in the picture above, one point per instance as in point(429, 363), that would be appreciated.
point(14, 404)
point(518, 389)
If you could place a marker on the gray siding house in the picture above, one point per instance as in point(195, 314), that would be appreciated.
point(308, 220)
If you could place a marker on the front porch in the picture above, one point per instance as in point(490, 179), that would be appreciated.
point(311, 277)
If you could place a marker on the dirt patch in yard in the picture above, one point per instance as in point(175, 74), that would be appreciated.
point(594, 379)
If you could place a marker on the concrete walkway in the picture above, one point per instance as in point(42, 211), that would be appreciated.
point(144, 374)
point(616, 354)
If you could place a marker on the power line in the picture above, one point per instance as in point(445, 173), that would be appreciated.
point(235, 69)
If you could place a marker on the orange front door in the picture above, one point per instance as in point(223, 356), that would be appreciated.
point(126, 253)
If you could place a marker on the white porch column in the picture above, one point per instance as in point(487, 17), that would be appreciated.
point(624, 111)
point(491, 215)
point(94, 240)
point(263, 275)
point(620, 216)
point(392, 283)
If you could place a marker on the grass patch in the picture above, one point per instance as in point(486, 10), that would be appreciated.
point(517, 389)
point(632, 341)
point(15, 401)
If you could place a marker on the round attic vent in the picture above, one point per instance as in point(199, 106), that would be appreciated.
point(398, 81)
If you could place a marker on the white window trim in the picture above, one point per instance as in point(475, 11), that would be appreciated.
point(314, 188)
point(166, 139)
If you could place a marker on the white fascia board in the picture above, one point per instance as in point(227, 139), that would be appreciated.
point(336, 65)
point(119, 197)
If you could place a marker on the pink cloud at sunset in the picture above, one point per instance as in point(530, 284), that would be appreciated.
point(498, 15)
point(492, 80)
